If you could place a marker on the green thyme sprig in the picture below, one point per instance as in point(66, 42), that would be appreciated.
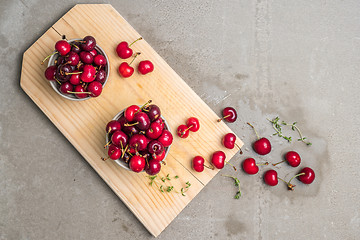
point(237, 184)
point(277, 127)
point(165, 188)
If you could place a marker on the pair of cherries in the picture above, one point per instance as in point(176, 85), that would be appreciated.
point(124, 51)
point(250, 166)
point(192, 124)
point(306, 176)
point(217, 160)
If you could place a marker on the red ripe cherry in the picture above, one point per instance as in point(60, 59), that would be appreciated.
point(126, 70)
point(88, 74)
point(229, 115)
point(93, 52)
point(137, 163)
point(95, 88)
point(161, 122)
point(160, 156)
point(153, 167)
point(145, 67)
point(119, 138)
point(100, 60)
point(101, 76)
point(63, 47)
point(50, 73)
point(75, 47)
point(130, 112)
point(73, 58)
point(270, 178)
point(154, 131)
point(112, 126)
point(183, 131)
point(142, 121)
point(86, 57)
point(88, 43)
point(261, 146)
point(293, 158)
point(155, 147)
point(75, 78)
point(166, 138)
point(123, 49)
point(306, 175)
point(79, 89)
point(249, 166)
point(218, 159)
point(66, 88)
point(153, 111)
point(229, 140)
point(114, 152)
point(193, 124)
point(198, 163)
point(138, 142)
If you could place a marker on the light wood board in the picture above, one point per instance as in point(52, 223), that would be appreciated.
point(83, 123)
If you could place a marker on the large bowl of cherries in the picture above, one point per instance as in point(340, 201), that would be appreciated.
point(78, 69)
point(138, 138)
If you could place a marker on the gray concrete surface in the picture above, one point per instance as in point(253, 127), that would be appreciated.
point(295, 59)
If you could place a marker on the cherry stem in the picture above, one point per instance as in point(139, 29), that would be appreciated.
point(48, 57)
point(262, 164)
point(231, 165)
point(75, 46)
point(257, 135)
point(241, 152)
point(58, 81)
point(138, 53)
point(73, 73)
point(219, 120)
point(300, 174)
point(211, 167)
point(148, 102)
point(184, 132)
point(104, 159)
point(109, 130)
point(135, 41)
point(130, 124)
point(107, 144)
point(279, 162)
point(123, 153)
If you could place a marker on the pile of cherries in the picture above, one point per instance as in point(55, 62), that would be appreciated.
point(139, 138)
point(124, 51)
point(79, 70)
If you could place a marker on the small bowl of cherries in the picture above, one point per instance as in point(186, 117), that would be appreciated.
point(138, 138)
point(78, 69)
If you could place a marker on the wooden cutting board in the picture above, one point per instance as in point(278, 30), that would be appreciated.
point(83, 123)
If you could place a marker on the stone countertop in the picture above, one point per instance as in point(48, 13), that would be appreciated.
point(295, 60)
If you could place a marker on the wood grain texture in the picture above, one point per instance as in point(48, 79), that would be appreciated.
point(83, 123)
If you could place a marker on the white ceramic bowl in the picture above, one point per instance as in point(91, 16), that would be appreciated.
point(72, 97)
point(126, 165)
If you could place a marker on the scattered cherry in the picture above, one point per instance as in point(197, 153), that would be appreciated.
point(229, 115)
point(306, 175)
point(183, 131)
point(125, 69)
point(145, 67)
point(251, 167)
point(292, 158)
point(123, 49)
point(198, 164)
point(271, 178)
point(193, 124)
point(261, 146)
point(229, 141)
